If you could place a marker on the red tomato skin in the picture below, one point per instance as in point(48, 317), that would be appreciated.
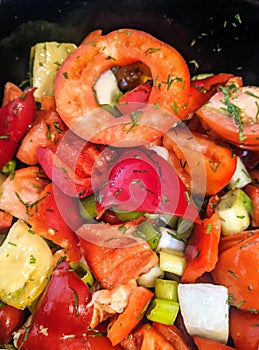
point(11, 319)
point(132, 100)
point(62, 312)
point(101, 343)
point(17, 116)
point(237, 269)
point(47, 217)
point(244, 329)
point(8, 150)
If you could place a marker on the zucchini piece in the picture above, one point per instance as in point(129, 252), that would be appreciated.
point(26, 263)
point(240, 177)
point(45, 60)
point(171, 260)
point(234, 209)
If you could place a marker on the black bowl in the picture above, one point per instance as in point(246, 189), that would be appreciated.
point(213, 36)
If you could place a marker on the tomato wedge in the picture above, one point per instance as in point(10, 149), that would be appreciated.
point(11, 319)
point(202, 249)
point(233, 114)
point(47, 221)
point(76, 100)
point(203, 164)
point(244, 329)
point(63, 316)
point(205, 344)
point(237, 269)
point(202, 89)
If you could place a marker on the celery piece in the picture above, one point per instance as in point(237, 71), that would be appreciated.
point(45, 60)
point(166, 289)
point(148, 233)
point(9, 167)
point(162, 311)
point(127, 215)
point(184, 229)
point(83, 272)
point(87, 207)
point(234, 209)
point(172, 261)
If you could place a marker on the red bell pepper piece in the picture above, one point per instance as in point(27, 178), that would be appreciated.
point(16, 118)
point(202, 249)
point(62, 317)
point(120, 327)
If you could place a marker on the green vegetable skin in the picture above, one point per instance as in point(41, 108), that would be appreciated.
point(45, 60)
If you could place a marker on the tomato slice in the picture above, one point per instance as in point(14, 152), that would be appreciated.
point(63, 316)
point(173, 335)
point(202, 89)
point(46, 131)
point(232, 114)
point(205, 344)
point(21, 190)
point(47, 220)
point(76, 100)
point(11, 92)
point(253, 193)
point(205, 166)
point(202, 249)
point(236, 268)
point(113, 254)
point(146, 337)
point(244, 329)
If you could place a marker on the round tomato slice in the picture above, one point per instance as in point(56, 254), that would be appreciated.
point(76, 100)
point(233, 114)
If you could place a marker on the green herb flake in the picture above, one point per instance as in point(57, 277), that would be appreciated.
point(151, 50)
point(76, 301)
point(232, 273)
point(208, 228)
point(32, 259)
point(65, 75)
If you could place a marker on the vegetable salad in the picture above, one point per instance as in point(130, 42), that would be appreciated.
point(129, 201)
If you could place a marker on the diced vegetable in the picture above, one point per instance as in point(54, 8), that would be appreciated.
point(205, 310)
point(106, 89)
point(166, 289)
point(240, 177)
point(45, 60)
point(170, 240)
point(26, 265)
point(234, 208)
point(163, 311)
point(172, 261)
point(120, 327)
point(147, 231)
point(148, 279)
point(202, 249)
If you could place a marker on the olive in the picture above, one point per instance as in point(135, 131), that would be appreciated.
point(132, 75)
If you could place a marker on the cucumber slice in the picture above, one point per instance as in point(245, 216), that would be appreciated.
point(45, 60)
point(234, 209)
point(26, 263)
